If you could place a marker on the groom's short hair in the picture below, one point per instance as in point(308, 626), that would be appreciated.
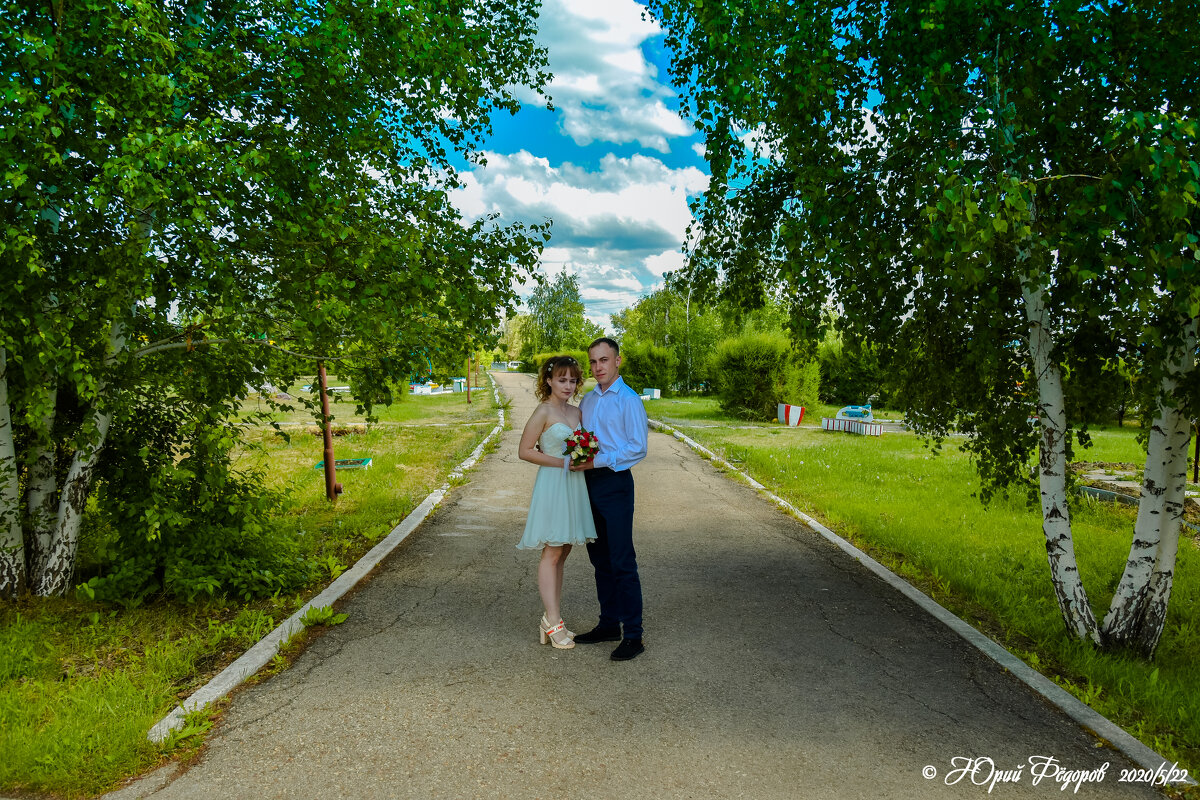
point(610, 342)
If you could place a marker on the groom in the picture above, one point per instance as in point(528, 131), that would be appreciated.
point(615, 414)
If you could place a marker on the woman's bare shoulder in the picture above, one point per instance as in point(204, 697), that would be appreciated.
point(538, 415)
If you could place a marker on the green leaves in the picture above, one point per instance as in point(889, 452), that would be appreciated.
point(969, 148)
point(556, 317)
point(203, 179)
point(322, 615)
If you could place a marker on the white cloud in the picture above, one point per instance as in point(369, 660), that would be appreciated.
point(619, 227)
point(618, 223)
point(603, 321)
point(758, 144)
point(603, 86)
point(662, 263)
point(638, 198)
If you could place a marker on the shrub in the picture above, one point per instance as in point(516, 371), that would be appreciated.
point(755, 372)
point(535, 361)
point(645, 365)
point(850, 372)
point(801, 383)
point(174, 515)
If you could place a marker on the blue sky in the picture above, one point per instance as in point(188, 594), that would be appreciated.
point(613, 165)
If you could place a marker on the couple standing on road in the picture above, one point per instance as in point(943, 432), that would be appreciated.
point(590, 502)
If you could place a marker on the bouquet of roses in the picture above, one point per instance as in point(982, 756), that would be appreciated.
point(582, 445)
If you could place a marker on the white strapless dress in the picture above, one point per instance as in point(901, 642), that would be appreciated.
point(559, 510)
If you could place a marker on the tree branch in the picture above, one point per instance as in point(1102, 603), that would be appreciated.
point(166, 344)
point(1063, 177)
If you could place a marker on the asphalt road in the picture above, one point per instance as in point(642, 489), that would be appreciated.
point(776, 667)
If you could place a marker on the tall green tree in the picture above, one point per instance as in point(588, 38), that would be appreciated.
point(513, 336)
point(849, 369)
point(672, 318)
point(269, 179)
point(556, 320)
point(974, 184)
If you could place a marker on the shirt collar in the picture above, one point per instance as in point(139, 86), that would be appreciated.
point(611, 386)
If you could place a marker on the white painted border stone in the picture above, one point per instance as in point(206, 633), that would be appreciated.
point(267, 647)
point(1054, 694)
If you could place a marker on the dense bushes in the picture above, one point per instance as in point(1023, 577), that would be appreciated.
point(173, 515)
point(536, 361)
point(755, 372)
point(801, 383)
point(647, 366)
point(850, 372)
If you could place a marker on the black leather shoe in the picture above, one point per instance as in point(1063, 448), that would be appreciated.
point(599, 634)
point(627, 649)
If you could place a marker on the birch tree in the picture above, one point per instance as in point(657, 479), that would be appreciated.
point(671, 317)
point(12, 550)
point(977, 186)
point(269, 179)
point(556, 320)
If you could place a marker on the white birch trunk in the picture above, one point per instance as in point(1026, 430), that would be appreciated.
point(56, 567)
point(41, 489)
point(1052, 470)
point(1162, 579)
point(1138, 611)
point(12, 543)
point(54, 570)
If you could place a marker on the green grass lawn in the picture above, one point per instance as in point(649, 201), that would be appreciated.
point(917, 512)
point(412, 447)
point(81, 683)
point(707, 410)
point(1114, 445)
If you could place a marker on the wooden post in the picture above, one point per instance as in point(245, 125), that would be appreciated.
point(468, 379)
point(330, 480)
point(1196, 457)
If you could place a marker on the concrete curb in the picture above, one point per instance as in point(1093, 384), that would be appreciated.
point(1105, 494)
point(1100, 726)
point(266, 648)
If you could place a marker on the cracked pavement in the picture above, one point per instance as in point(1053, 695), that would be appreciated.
point(776, 667)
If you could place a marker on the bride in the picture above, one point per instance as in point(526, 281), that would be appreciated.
point(559, 512)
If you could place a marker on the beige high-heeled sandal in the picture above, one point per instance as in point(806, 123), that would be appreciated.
point(547, 635)
point(546, 626)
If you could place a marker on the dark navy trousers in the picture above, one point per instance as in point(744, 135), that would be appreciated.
point(618, 587)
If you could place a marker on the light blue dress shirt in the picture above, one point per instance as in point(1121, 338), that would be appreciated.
point(618, 419)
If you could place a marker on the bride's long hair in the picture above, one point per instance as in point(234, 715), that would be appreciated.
point(553, 366)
